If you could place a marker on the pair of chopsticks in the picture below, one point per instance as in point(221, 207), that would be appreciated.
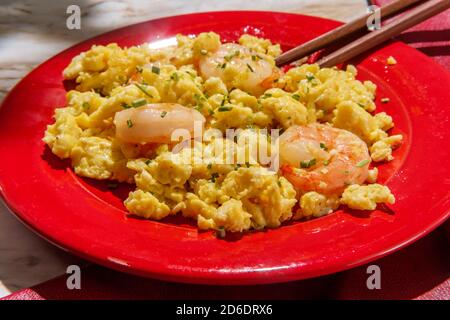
point(423, 11)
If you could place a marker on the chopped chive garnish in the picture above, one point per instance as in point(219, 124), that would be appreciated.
point(129, 123)
point(225, 97)
point(231, 56)
point(163, 114)
point(254, 57)
point(296, 97)
point(361, 105)
point(139, 69)
point(143, 90)
point(214, 176)
point(174, 76)
point(126, 105)
point(138, 103)
point(310, 77)
point(266, 95)
point(308, 164)
point(250, 67)
point(223, 109)
point(323, 146)
point(148, 161)
point(86, 106)
point(210, 111)
point(385, 100)
point(362, 163)
point(156, 70)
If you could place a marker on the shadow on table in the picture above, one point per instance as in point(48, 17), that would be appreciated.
point(25, 258)
point(406, 274)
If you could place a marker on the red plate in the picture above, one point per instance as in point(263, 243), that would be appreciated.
point(86, 218)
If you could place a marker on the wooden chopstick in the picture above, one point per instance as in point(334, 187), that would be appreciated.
point(340, 32)
point(374, 38)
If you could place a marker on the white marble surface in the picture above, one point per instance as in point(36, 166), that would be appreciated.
point(33, 30)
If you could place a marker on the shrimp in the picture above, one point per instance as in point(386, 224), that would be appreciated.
point(155, 123)
point(323, 159)
point(238, 67)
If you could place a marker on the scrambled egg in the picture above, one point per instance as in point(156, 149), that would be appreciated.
point(366, 197)
point(193, 182)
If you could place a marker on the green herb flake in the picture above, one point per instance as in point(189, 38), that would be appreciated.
point(174, 76)
point(250, 68)
point(361, 105)
point(225, 98)
point(310, 77)
point(86, 106)
point(125, 105)
point(209, 166)
point(308, 164)
point(214, 176)
point(323, 146)
point(143, 90)
point(296, 97)
point(138, 103)
point(210, 111)
point(139, 69)
point(148, 161)
point(129, 123)
point(156, 69)
point(224, 109)
point(163, 114)
point(199, 108)
point(362, 163)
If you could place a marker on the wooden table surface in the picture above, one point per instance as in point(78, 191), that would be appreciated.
point(31, 31)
